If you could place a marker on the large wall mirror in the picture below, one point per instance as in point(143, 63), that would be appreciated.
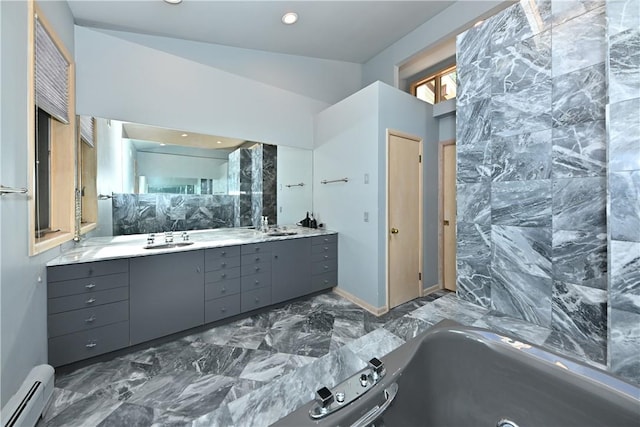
point(152, 179)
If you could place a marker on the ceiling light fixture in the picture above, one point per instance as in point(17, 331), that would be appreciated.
point(184, 135)
point(219, 142)
point(289, 18)
point(162, 144)
point(173, 1)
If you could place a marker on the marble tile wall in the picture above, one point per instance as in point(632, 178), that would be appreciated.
point(263, 185)
point(156, 213)
point(240, 178)
point(531, 167)
point(623, 73)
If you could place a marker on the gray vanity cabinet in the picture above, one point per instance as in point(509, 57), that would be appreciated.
point(166, 294)
point(291, 269)
point(221, 283)
point(324, 257)
point(88, 309)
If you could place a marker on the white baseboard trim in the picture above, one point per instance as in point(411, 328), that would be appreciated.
point(427, 291)
point(376, 311)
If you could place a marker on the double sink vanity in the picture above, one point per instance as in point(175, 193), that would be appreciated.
point(109, 293)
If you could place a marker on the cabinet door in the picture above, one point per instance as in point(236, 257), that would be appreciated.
point(291, 269)
point(167, 294)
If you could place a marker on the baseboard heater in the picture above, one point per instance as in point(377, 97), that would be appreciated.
point(32, 399)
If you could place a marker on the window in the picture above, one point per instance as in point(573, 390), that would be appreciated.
point(437, 87)
point(51, 137)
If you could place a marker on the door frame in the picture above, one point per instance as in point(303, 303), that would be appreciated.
point(405, 135)
point(441, 146)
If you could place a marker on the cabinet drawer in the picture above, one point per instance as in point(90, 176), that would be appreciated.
point(324, 256)
point(86, 285)
point(221, 289)
point(255, 299)
point(325, 248)
point(255, 281)
point(214, 254)
point(321, 240)
point(258, 258)
point(324, 281)
point(87, 318)
point(82, 345)
point(89, 299)
point(87, 269)
point(263, 267)
point(222, 263)
point(255, 248)
point(226, 274)
point(222, 307)
point(324, 267)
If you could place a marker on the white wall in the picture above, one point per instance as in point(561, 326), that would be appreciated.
point(123, 80)
point(295, 165)
point(351, 142)
point(346, 139)
point(321, 79)
point(23, 314)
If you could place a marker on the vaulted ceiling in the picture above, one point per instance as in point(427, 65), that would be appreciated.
point(352, 31)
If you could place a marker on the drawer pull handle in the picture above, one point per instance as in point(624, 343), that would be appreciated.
point(258, 249)
point(326, 240)
point(257, 300)
point(224, 264)
point(223, 310)
point(90, 271)
point(326, 266)
point(198, 269)
point(223, 290)
point(257, 268)
point(326, 248)
point(90, 301)
point(224, 253)
point(90, 286)
point(326, 282)
point(326, 257)
point(257, 282)
point(91, 345)
point(224, 275)
point(90, 319)
point(257, 259)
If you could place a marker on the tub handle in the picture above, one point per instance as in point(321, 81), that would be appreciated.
point(375, 412)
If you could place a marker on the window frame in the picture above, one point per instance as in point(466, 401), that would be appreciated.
point(62, 178)
point(438, 82)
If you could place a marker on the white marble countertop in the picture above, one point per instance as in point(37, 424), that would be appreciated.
point(104, 248)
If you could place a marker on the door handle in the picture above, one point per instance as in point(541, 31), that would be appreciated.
point(394, 230)
point(446, 222)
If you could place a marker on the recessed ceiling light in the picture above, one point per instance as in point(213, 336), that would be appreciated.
point(478, 23)
point(162, 144)
point(184, 135)
point(219, 142)
point(173, 1)
point(289, 18)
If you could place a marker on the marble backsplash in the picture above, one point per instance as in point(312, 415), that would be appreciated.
point(532, 168)
point(156, 213)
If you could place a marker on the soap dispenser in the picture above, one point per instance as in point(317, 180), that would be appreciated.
point(312, 222)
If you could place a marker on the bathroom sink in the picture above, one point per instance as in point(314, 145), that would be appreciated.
point(168, 245)
point(281, 233)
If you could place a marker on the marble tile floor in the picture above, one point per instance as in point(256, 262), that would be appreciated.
point(253, 371)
